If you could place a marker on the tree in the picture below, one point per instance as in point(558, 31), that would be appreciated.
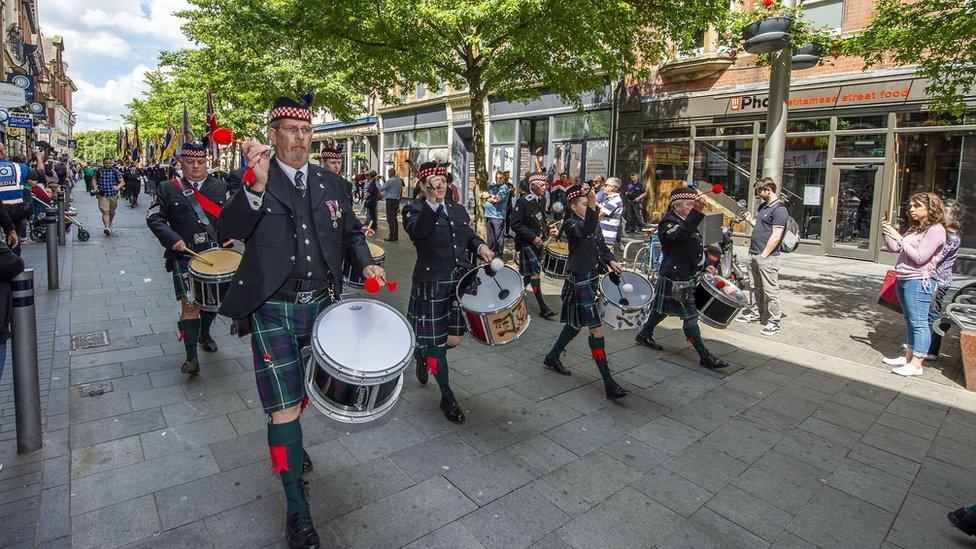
point(491, 48)
point(95, 145)
point(939, 36)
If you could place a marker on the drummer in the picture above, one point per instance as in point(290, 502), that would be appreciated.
point(588, 257)
point(185, 215)
point(528, 222)
point(297, 221)
point(442, 235)
point(684, 260)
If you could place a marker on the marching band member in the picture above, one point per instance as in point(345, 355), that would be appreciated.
point(442, 235)
point(684, 258)
point(185, 215)
point(529, 225)
point(298, 223)
point(588, 256)
point(330, 158)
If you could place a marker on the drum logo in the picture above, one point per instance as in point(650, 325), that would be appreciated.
point(361, 395)
point(506, 326)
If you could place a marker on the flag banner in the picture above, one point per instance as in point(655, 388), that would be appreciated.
point(212, 127)
point(169, 144)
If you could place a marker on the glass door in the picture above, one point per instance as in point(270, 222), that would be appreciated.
point(852, 216)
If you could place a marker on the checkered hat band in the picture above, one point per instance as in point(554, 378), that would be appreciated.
point(683, 196)
point(194, 153)
point(436, 170)
point(332, 154)
point(291, 112)
point(573, 195)
point(538, 177)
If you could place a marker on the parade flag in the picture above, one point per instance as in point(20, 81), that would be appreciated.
point(118, 145)
point(126, 147)
point(151, 151)
point(169, 144)
point(187, 132)
point(137, 147)
point(212, 127)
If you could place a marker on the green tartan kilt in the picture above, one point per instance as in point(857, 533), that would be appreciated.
point(529, 263)
point(580, 308)
point(666, 303)
point(181, 278)
point(434, 310)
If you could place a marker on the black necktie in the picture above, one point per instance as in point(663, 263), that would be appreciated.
point(300, 182)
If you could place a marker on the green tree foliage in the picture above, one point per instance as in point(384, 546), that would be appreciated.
point(95, 145)
point(939, 36)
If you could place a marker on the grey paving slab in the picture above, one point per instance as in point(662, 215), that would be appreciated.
point(743, 439)
point(833, 518)
point(186, 436)
point(542, 453)
point(626, 519)
point(327, 458)
point(707, 528)
point(944, 483)
point(706, 466)
point(516, 520)
point(750, 512)
point(451, 536)
point(886, 461)
point(834, 433)
point(194, 410)
point(634, 454)
point(871, 484)
point(190, 535)
point(98, 407)
point(922, 523)
point(405, 516)
point(668, 435)
point(896, 442)
point(253, 525)
point(103, 430)
point(583, 483)
point(812, 449)
point(349, 489)
point(921, 410)
point(671, 489)
point(54, 515)
point(435, 457)
point(383, 440)
point(589, 432)
point(193, 501)
point(487, 478)
point(105, 455)
point(487, 437)
point(115, 525)
point(236, 452)
point(536, 418)
point(781, 480)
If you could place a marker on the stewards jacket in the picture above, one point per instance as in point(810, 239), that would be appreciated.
point(11, 265)
point(681, 245)
point(443, 240)
point(171, 217)
point(587, 251)
point(528, 220)
point(271, 236)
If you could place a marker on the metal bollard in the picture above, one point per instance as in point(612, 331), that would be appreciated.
point(27, 391)
point(61, 208)
point(53, 272)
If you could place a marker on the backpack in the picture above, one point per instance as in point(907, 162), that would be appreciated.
point(791, 235)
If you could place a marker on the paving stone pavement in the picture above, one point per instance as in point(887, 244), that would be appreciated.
point(807, 441)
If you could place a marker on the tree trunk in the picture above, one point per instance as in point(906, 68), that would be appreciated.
point(477, 97)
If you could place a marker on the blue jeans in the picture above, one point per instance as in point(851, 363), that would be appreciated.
point(915, 302)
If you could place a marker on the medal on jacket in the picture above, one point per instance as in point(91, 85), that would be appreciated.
point(334, 212)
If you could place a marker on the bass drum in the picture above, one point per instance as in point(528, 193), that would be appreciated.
point(718, 300)
point(359, 350)
point(625, 310)
point(493, 304)
point(353, 278)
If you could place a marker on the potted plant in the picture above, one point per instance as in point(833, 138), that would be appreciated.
point(814, 44)
point(770, 27)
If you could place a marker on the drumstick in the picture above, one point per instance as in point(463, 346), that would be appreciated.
point(198, 256)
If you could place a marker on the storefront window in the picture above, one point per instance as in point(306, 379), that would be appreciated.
point(667, 133)
point(925, 119)
point(868, 122)
point(438, 137)
point(860, 146)
point(664, 167)
point(503, 131)
point(941, 163)
point(808, 125)
point(725, 163)
point(804, 177)
point(593, 124)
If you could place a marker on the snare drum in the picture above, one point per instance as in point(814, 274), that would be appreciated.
point(208, 284)
point(354, 278)
point(555, 259)
point(718, 300)
point(625, 311)
point(493, 304)
point(359, 350)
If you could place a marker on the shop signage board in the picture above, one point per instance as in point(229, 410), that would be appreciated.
point(24, 82)
point(11, 95)
point(20, 120)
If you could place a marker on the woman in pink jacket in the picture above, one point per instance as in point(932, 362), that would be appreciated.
point(917, 260)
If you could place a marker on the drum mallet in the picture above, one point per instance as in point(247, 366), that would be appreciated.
point(491, 270)
point(198, 256)
point(623, 289)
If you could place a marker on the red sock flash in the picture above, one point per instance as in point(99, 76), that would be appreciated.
point(432, 365)
point(598, 354)
point(279, 459)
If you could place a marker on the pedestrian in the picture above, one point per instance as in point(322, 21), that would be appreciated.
point(392, 192)
point(11, 265)
point(442, 235)
point(918, 256)
point(496, 199)
point(371, 199)
point(283, 283)
point(530, 226)
point(89, 173)
point(132, 176)
point(109, 182)
point(453, 193)
point(611, 210)
point(684, 258)
point(589, 257)
point(768, 226)
point(598, 183)
point(185, 217)
point(954, 212)
point(636, 193)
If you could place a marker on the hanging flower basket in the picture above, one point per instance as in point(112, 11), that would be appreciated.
point(767, 35)
point(807, 56)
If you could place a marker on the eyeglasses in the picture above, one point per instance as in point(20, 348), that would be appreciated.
point(295, 130)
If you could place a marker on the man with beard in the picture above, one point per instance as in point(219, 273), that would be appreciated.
point(298, 223)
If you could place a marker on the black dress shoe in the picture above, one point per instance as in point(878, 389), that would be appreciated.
point(207, 343)
point(422, 373)
point(616, 391)
point(301, 532)
point(190, 367)
point(391, 239)
point(963, 521)
point(306, 462)
point(451, 408)
point(556, 365)
point(547, 314)
point(648, 342)
point(713, 362)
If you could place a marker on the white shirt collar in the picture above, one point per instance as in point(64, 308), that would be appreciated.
point(290, 172)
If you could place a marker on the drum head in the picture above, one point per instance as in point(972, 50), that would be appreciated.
point(480, 292)
point(376, 251)
point(729, 293)
point(224, 262)
point(558, 248)
point(641, 295)
point(362, 340)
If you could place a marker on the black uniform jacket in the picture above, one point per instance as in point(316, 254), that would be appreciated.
point(442, 240)
point(270, 236)
point(587, 251)
point(171, 217)
point(528, 220)
point(681, 244)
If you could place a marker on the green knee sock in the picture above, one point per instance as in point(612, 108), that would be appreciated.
point(206, 320)
point(652, 321)
point(285, 444)
point(437, 366)
point(600, 357)
point(190, 330)
point(693, 335)
point(563, 340)
point(537, 290)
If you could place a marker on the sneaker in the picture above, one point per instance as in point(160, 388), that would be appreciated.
point(107, 231)
point(770, 329)
point(747, 318)
point(896, 361)
point(908, 370)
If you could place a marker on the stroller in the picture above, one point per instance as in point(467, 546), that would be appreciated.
point(38, 230)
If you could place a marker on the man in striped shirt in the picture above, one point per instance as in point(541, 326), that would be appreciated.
point(610, 211)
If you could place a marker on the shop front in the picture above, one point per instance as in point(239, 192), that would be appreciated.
point(856, 150)
point(357, 140)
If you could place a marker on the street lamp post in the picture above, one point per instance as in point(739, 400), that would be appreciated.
point(777, 113)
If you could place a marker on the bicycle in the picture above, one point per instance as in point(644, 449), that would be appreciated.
point(648, 259)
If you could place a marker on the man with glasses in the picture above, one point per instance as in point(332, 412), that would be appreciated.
point(298, 223)
point(185, 216)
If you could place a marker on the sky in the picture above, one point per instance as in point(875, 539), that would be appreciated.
point(109, 46)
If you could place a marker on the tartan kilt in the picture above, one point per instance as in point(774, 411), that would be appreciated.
point(434, 310)
point(529, 263)
point(181, 278)
point(279, 331)
point(666, 304)
point(580, 308)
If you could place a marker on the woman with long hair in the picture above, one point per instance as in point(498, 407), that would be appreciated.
point(943, 269)
point(918, 256)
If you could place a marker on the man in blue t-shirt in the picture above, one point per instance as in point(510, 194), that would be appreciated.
point(108, 182)
point(769, 224)
point(496, 202)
